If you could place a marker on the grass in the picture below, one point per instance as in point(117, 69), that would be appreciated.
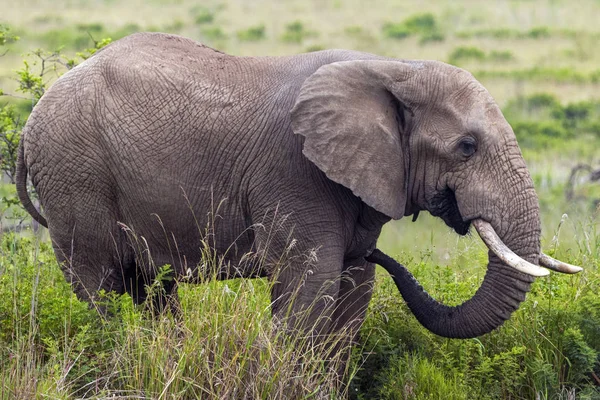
point(547, 40)
point(225, 346)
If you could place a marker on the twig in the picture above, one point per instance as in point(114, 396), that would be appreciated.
point(596, 378)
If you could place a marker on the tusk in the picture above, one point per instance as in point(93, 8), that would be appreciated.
point(495, 244)
point(558, 266)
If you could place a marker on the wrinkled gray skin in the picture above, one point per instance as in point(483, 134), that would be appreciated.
point(313, 153)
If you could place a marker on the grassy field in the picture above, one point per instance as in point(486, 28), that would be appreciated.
point(539, 59)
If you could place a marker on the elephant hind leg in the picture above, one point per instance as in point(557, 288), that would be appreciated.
point(88, 243)
point(89, 259)
point(142, 285)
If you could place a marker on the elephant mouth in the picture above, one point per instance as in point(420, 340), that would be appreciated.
point(444, 205)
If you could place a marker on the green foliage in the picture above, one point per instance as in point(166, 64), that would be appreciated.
point(225, 345)
point(500, 55)
point(315, 47)
point(296, 32)
point(396, 31)
point(252, 34)
point(424, 25)
point(538, 32)
point(434, 36)
point(10, 133)
point(204, 16)
point(6, 37)
point(582, 358)
point(463, 54)
point(413, 377)
point(421, 23)
point(541, 121)
point(213, 33)
point(467, 53)
point(548, 347)
point(543, 74)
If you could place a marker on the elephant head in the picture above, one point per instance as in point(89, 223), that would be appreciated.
point(423, 135)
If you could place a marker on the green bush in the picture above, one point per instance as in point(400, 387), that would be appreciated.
point(296, 32)
point(539, 32)
point(396, 31)
point(539, 134)
point(212, 33)
point(252, 34)
point(572, 115)
point(501, 55)
point(415, 377)
point(434, 36)
point(315, 47)
point(466, 53)
point(538, 106)
point(419, 24)
point(204, 16)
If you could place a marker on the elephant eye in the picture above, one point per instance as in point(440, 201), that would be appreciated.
point(467, 146)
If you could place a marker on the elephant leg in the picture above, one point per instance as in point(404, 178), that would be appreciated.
point(356, 289)
point(304, 263)
point(304, 297)
point(89, 255)
point(164, 294)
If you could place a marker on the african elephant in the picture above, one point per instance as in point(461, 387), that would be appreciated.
point(307, 155)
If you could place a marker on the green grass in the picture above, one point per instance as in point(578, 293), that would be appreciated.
point(548, 42)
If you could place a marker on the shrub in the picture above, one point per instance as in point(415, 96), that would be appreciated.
point(295, 32)
point(582, 358)
point(315, 47)
point(213, 33)
point(573, 114)
point(539, 106)
point(434, 36)
point(204, 16)
point(91, 28)
point(10, 132)
point(67, 37)
point(463, 53)
point(501, 55)
point(421, 23)
point(396, 31)
point(252, 34)
point(6, 37)
point(538, 32)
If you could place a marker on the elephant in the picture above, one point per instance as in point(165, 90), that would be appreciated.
point(156, 137)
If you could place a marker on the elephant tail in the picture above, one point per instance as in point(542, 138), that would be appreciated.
point(21, 181)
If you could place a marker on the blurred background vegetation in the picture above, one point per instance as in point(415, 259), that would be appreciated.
point(540, 61)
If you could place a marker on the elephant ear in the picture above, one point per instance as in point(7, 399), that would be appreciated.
point(352, 117)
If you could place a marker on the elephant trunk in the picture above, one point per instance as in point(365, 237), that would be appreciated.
point(500, 294)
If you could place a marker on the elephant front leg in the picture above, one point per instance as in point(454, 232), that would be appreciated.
point(356, 289)
point(304, 297)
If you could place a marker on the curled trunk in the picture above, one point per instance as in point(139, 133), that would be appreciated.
point(501, 292)
point(499, 295)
